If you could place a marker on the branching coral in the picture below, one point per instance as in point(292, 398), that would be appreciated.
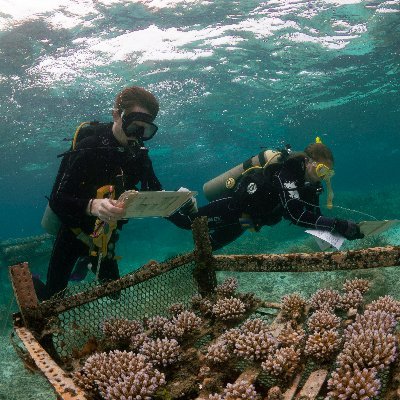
point(322, 320)
point(235, 391)
point(176, 308)
point(322, 345)
point(229, 309)
point(325, 299)
point(120, 374)
point(351, 299)
point(121, 330)
point(385, 303)
point(370, 348)
point(255, 346)
point(348, 383)
point(187, 322)
point(161, 351)
point(202, 304)
point(290, 336)
point(231, 336)
point(255, 325)
point(157, 325)
point(362, 285)
point(137, 341)
point(218, 352)
point(293, 306)
point(371, 320)
point(275, 393)
point(283, 362)
point(227, 288)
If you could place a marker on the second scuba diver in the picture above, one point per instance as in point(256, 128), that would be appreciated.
point(287, 189)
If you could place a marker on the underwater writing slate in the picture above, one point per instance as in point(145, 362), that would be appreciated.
point(153, 204)
point(376, 227)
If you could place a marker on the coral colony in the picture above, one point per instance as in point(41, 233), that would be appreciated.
point(204, 352)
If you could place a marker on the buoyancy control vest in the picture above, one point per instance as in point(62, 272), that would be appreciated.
point(223, 185)
point(50, 221)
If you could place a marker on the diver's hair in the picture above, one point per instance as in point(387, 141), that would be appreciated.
point(136, 96)
point(319, 152)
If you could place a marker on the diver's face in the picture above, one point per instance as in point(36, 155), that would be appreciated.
point(131, 141)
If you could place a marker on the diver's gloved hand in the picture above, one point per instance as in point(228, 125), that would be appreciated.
point(349, 229)
point(190, 207)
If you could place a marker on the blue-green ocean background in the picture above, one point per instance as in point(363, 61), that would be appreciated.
point(231, 77)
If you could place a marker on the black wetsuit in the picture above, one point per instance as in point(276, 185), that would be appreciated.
point(266, 199)
point(98, 160)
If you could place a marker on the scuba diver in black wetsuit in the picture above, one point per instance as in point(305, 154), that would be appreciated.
point(287, 189)
point(105, 160)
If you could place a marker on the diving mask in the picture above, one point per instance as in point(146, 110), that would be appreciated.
point(323, 171)
point(140, 125)
point(326, 173)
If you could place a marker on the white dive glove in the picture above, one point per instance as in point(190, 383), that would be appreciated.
point(190, 207)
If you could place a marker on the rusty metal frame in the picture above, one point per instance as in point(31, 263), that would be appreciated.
point(30, 327)
point(63, 385)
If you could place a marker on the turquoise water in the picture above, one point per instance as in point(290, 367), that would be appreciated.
point(231, 77)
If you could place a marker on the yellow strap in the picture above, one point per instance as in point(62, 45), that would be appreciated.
point(78, 129)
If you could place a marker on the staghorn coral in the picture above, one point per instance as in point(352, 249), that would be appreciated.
point(218, 352)
point(187, 322)
point(255, 346)
point(385, 303)
point(229, 309)
point(370, 348)
point(290, 336)
point(120, 330)
point(348, 383)
point(351, 299)
point(362, 285)
point(322, 320)
point(293, 306)
point(119, 373)
point(325, 299)
point(241, 389)
point(227, 288)
point(283, 362)
point(161, 351)
point(322, 345)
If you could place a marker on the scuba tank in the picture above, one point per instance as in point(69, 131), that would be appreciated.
point(222, 185)
point(50, 221)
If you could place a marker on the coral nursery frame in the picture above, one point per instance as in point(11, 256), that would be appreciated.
point(58, 331)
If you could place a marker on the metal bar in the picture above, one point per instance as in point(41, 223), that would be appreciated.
point(63, 385)
point(310, 262)
point(21, 280)
point(313, 385)
point(204, 273)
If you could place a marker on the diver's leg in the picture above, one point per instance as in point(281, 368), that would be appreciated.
point(66, 250)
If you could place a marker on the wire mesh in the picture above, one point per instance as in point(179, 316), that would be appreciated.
point(76, 328)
